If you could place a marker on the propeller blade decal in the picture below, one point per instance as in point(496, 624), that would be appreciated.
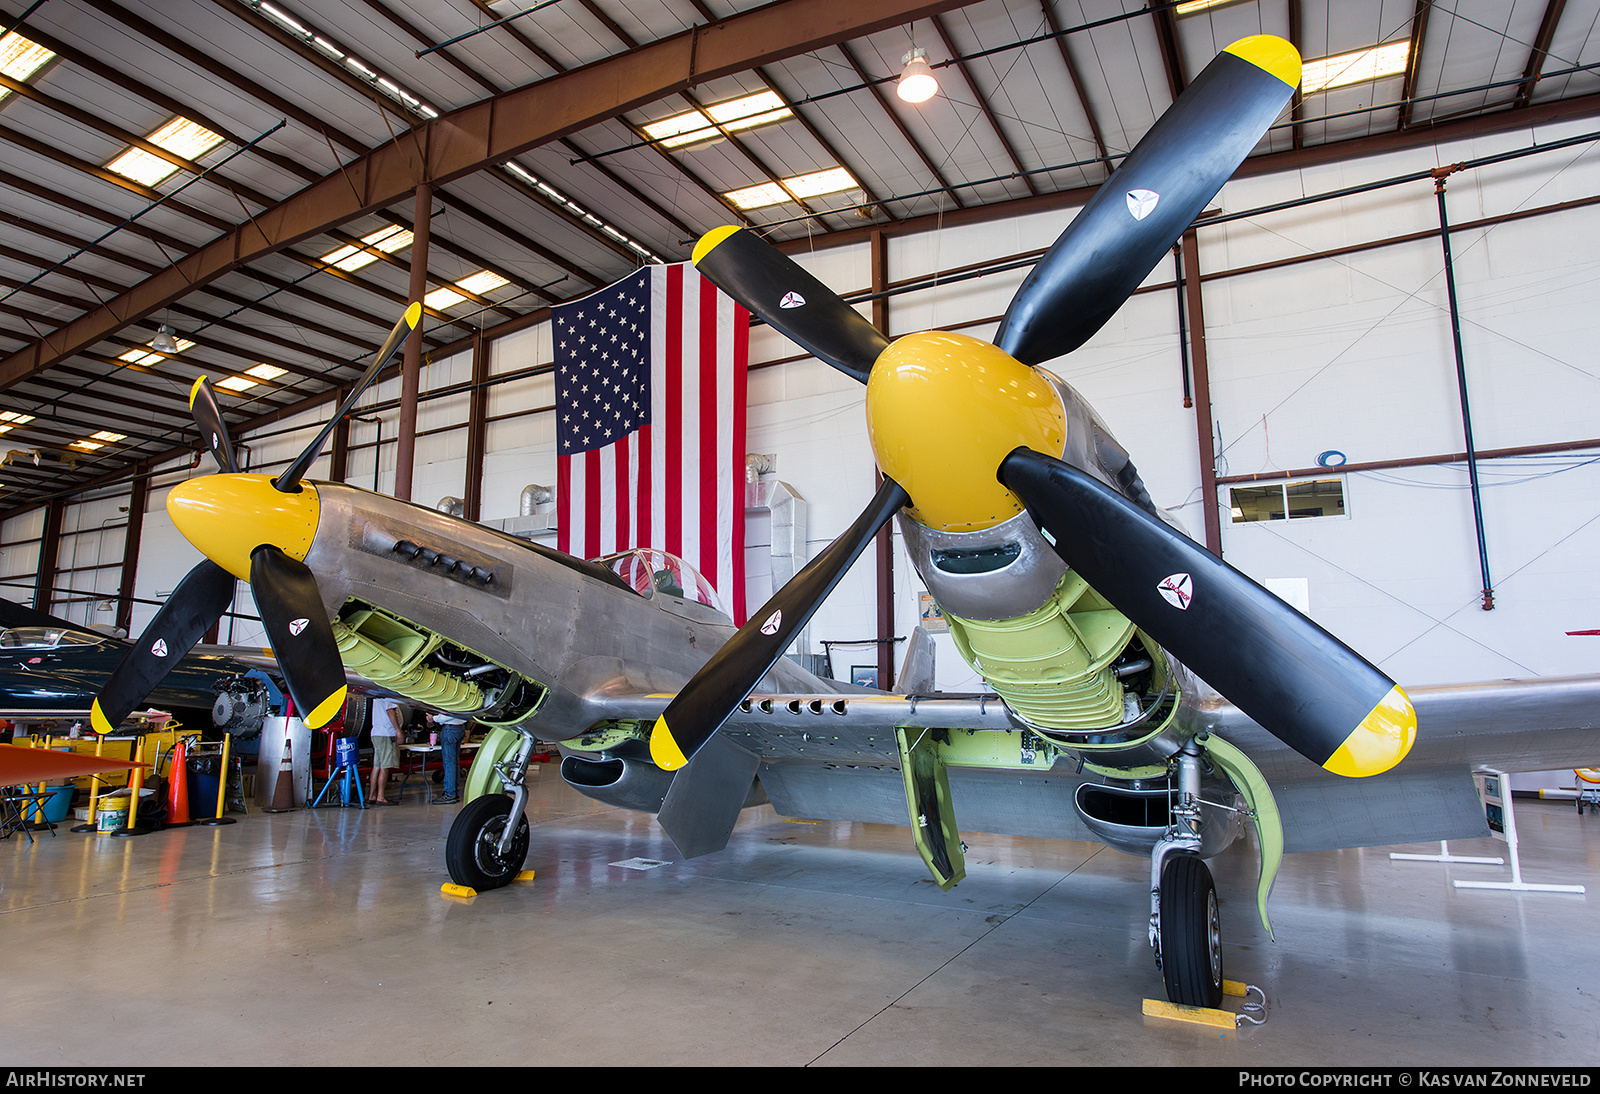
point(773, 286)
point(302, 637)
point(289, 481)
point(198, 602)
point(213, 430)
point(1300, 683)
point(1145, 206)
point(705, 702)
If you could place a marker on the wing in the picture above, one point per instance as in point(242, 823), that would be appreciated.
point(1541, 724)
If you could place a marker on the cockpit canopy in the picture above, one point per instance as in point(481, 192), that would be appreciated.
point(45, 638)
point(648, 571)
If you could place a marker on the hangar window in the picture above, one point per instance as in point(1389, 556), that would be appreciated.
point(1288, 500)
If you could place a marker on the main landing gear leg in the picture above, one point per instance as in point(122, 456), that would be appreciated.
point(1184, 927)
point(488, 842)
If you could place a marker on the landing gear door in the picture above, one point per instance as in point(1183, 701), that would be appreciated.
point(1249, 781)
point(933, 826)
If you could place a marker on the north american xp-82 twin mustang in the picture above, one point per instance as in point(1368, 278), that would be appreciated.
point(1092, 618)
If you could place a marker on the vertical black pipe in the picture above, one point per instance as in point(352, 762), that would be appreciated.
point(1461, 383)
point(1183, 323)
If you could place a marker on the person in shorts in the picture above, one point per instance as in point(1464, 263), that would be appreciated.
point(388, 719)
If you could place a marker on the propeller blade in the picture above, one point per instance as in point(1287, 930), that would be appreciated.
point(705, 702)
point(198, 602)
point(1301, 684)
point(289, 480)
point(1148, 203)
point(213, 430)
point(773, 286)
point(302, 638)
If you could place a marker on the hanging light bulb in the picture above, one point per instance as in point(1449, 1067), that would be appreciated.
point(917, 83)
point(163, 341)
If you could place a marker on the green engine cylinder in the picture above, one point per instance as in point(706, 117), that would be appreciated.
point(1053, 666)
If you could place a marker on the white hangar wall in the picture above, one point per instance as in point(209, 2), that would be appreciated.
point(1350, 352)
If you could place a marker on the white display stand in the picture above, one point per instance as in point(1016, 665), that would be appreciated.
point(1444, 855)
point(1495, 792)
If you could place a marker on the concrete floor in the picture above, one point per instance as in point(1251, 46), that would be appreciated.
point(322, 938)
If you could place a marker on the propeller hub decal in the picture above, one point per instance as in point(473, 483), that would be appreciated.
point(773, 620)
point(1141, 203)
point(159, 648)
point(297, 625)
point(1178, 590)
point(792, 300)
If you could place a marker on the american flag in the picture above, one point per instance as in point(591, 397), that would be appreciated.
point(650, 402)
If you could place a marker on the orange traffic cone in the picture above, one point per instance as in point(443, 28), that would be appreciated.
point(283, 791)
point(178, 785)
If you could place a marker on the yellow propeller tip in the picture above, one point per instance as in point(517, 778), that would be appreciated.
point(326, 709)
point(97, 720)
point(1382, 739)
point(710, 240)
point(664, 750)
point(1271, 54)
point(194, 391)
point(414, 314)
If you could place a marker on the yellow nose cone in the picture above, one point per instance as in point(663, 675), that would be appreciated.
point(943, 410)
point(228, 516)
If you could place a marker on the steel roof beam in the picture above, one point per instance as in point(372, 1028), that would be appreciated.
point(467, 140)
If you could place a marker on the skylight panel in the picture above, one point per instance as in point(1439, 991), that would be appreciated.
point(10, 419)
point(388, 239)
point(1190, 7)
point(98, 440)
point(180, 136)
point(265, 371)
point(145, 357)
point(442, 298)
point(832, 181)
point(1361, 66)
point(482, 282)
point(20, 58)
point(681, 129)
point(237, 383)
point(759, 197)
point(694, 126)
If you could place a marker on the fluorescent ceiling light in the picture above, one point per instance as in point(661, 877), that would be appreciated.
point(107, 436)
point(86, 446)
point(1354, 68)
point(20, 58)
point(180, 136)
point(236, 383)
point(265, 371)
point(12, 419)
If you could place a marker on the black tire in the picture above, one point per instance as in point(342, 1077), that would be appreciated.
point(1191, 935)
point(470, 850)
